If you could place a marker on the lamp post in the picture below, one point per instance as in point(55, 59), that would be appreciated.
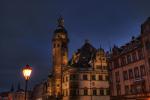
point(26, 73)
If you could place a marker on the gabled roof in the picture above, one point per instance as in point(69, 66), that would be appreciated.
point(83, 56)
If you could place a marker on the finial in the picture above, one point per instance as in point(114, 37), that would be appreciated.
point(60, 21)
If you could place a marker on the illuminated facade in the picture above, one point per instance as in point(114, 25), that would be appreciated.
point(130, 67)
point(84, 77)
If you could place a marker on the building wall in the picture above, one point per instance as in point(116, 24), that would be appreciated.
point(129, 68)
point(86, 83)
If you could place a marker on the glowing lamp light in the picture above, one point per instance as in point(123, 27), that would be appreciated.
point(27, 70)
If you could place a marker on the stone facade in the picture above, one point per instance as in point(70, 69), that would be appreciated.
point(130, 67)
point(83, 77)
point(86, 76)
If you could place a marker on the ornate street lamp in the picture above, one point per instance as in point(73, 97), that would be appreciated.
point(26, 73)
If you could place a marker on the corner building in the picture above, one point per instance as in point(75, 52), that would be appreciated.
point(130, 67)
point(84, 76)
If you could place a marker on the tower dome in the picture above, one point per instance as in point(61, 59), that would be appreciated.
point(60, 31)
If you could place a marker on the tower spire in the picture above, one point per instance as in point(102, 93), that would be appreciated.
point(60, 21)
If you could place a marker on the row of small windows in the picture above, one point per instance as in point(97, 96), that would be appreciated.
point(93, 77)
point(132, 89)
point(128, 59)
point(87, 92)
point(86, 77)
point(131, 73)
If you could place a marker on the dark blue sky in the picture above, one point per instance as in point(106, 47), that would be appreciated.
point(26, 28)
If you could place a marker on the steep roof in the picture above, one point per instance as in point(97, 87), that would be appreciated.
point(83, 56)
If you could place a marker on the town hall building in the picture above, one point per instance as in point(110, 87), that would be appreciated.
point(83, 77)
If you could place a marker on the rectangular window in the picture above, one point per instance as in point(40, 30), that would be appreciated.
point(142, 70)
point(133, 91)
point(85, 77)
point(125, 75)
point(106, 77)
point(118, 87)
point(107, 92)
point(136, 72)
point(73, 77)
point(127, 89)
point(105, 67)
point(134, 57)
point(100, 77)
point(85, 92)
point(93, 77)
point(130, 73)
point(66, 79)
point(123, 61)
point(129, 58)
point(117, 76)
point(140, 54)
point(116, 63)
point(73, 92)
point(99, 67)
point(101, 91)
point(94, 92)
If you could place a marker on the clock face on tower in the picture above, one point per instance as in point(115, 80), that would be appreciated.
point(63, 36)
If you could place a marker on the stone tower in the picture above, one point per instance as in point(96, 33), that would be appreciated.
point(60, 55)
